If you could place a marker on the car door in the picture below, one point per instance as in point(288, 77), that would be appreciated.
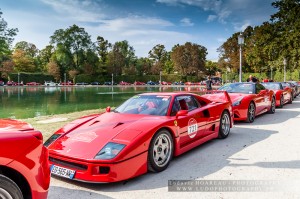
point(191, 127)
point(260, 97)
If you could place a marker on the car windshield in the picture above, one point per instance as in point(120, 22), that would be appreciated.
point(272, 86)
point(146, 104)
point(238, 88)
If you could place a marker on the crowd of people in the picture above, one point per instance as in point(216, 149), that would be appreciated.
point(255, 80)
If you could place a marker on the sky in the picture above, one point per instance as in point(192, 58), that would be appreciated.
point(143, 23)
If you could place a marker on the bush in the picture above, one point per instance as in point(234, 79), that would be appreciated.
point(30, 77)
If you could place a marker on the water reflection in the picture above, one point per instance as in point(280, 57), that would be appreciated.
point(26, 102)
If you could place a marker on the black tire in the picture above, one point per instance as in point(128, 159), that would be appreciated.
point(281, 101)
point(273, 106)
point(160, 151)
point(9, 189)
point(251, 113)
point(224, 128)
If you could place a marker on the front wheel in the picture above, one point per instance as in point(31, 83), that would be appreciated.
point(224, 128)
point(251, 113)
point(9, 189)
point(160, 151)
point(273, 106)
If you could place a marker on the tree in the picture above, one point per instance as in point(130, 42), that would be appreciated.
point(45, 56)
point(75, 42)
point(6, 38)
point(189, 58)
point(211, 67)
point(102, 48)
point(121, 55)
point(159, 56)
point(286, 26)
point(23, 62)
point(53, 69)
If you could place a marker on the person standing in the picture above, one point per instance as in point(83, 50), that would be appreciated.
point(208, 83)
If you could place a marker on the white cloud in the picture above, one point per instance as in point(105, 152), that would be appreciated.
point(186, 22)
point(204, 4)
point(87, 10)
point(240, 27)
point(211, 18)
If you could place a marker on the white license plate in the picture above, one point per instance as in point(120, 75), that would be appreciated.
point(63, 172)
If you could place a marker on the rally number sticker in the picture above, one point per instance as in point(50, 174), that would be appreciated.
point(192, 128)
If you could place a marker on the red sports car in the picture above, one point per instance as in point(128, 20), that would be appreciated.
point(283, 95)
point(124, 83)
point(33, 84)
point(24, 166)
point(139, 83)
point(249, 100)
point(142, 134)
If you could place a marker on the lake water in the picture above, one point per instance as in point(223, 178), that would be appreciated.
point(29, 102)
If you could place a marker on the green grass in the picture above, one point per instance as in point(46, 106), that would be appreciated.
point(49, 128)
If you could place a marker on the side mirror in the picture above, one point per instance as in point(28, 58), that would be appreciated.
point(182, 113)
point(108, 109)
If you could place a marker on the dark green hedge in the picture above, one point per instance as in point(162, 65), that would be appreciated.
point(133, 78)
point(30, 77)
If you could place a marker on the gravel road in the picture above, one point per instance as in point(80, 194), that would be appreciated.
point(268, 149)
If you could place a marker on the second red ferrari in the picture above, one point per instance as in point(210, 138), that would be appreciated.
point(249, 100)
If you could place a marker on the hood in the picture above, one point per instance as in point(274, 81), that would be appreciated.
point(236, 96)
point(88, 139)
point(14, 125)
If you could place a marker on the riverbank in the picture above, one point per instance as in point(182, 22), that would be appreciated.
point(51, 123)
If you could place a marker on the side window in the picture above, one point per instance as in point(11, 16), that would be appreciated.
point(191, 103)
point(184, 103)
point(259, 88)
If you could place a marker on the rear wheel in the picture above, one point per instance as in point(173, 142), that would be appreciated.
point(160, 151)
point(273, 106)
point(224, 128)
point(9, 189)
point(281, 101)
point(251, 113)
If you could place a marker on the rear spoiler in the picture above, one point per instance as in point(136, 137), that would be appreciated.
point(217, 96)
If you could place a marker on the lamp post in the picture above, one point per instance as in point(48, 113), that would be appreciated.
point(240, 42)
point(271, 72)
point(284, 69)
point(112, 79)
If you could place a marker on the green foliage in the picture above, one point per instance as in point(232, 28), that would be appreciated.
point(30, 77)
point(189, 58)
point(6, 38)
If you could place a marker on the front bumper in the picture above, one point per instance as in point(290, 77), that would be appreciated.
point(97, 172)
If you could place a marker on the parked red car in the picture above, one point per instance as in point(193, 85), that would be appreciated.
point(283, 95)
point(12, 83)
point(33, 84)
point(24, 166)
point(66, 84)
point(143, 134)
point(166, 83)
point(250, 100)
point(124, 83)
point(139, 83)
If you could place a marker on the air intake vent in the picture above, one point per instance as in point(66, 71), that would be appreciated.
point(95, 122)
point(119, 124)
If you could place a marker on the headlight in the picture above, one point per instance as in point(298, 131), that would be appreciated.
point(51, 139)
point(237, 102)
point(109, 151)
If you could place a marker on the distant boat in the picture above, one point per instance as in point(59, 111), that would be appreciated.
point(50, 83)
